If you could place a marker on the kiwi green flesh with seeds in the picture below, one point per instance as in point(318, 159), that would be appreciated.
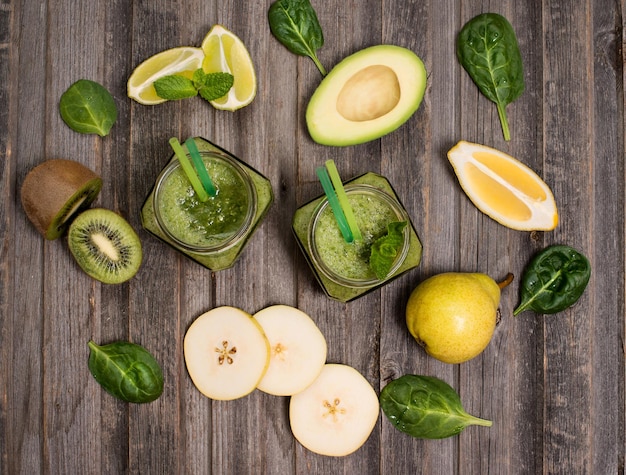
point(105, 245)
point(55, 191)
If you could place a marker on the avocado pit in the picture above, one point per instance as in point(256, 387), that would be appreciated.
point(369, 94)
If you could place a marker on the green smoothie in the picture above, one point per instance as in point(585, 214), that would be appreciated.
point(215, 232)
point(351, 260)
point(343, 269)
point(210, 224)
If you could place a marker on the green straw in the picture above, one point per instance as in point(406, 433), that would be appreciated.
point(343, 200)
point(198, 163)
point(188, 169)
point(322, 174)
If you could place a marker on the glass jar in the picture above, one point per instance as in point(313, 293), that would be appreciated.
point(341, 268)
point(214, 232)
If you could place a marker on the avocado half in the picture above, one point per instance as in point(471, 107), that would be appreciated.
point(367, 95)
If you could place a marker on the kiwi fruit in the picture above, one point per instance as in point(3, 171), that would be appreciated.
point(105, 245)
point(55, 191)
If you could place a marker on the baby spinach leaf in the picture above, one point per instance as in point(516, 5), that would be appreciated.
point(554, 280)
point(385, 249)
point(487, 48)
point(126, 370)
point(425, 407)
point(294, 23)
point(88, 108)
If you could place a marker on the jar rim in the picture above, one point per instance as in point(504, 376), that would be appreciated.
point(172, 166)
point(381, 195)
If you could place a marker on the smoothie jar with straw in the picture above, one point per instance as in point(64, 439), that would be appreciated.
point(357, 236)
point(206, 203)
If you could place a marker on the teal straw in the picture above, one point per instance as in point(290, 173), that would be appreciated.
point(322, 174)
point(198, 163)
point(343, 200)
point(188, 169)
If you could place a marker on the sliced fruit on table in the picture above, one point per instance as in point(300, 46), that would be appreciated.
point(183, 61)
point(297, 350)
point(336, 414)
point(55, 191)
point(105, 245)
point(504, 188)
point(225, 52)
point(367, 95)
point(226, 353)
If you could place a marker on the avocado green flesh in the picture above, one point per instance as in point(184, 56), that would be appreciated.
point(367, 95)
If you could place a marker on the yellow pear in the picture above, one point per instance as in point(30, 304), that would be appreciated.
point(453, 315)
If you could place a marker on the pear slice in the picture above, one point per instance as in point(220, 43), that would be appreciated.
point(336, 414)
point(297, 350)
point(226, 353)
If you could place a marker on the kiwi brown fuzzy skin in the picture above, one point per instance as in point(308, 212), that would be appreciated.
point(105, 245)
point(55, 191)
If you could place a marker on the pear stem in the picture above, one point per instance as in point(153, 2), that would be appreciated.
point(507, 280)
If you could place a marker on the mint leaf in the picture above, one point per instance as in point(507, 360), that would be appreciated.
point(385, 249)
point(175, 87)
point(212, 86)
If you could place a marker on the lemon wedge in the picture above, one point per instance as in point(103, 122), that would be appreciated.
point(183, 60)
point(225, 52)
point(504, 188)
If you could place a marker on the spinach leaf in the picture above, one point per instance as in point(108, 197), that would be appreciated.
point(487, 48)
point(126, 370)
point(88, 108)
point(385, 249)
point(294, 23)
point(554, 280)
point(425, 407)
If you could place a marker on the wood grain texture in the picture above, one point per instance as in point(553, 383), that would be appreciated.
point(554, 386)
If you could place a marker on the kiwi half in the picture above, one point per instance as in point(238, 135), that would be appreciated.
point(55, 191)
point(105, 245)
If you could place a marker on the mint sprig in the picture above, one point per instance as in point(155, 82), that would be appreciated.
point(210, 86)
point(385, 249)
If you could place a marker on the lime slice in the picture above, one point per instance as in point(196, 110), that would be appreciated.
point(225, 52)
point(182, 61)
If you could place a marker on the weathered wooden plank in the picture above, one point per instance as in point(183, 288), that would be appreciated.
point(154, 298)
point(21, 319)
point(352, 330)
point(111, 323)
point(71, 299)
point(414, 158)
point(501, 384)
point(606, 244)
point(568, 344)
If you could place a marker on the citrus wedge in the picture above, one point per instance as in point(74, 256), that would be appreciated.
point(225, 52)
point(183, 61)
point(504, 188)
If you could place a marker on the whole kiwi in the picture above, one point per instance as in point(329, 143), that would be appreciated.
point(55, 191)
point(105, 245)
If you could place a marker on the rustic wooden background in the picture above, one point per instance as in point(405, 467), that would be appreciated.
point(554, 386)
